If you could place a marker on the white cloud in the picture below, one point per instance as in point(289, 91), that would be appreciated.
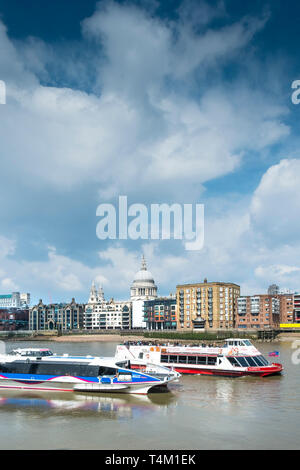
point(8, 285)
point(142, 124)
point(275, 205)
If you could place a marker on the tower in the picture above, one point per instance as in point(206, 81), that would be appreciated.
point(93, 299)
point(143, 288)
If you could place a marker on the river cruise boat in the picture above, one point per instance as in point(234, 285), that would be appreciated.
point(236, 358)
point(40, 369)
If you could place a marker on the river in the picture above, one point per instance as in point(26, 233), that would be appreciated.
point(198, 413)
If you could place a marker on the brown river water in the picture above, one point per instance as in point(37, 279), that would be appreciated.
point(198, 413)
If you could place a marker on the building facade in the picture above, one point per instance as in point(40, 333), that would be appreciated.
point(258, 311)
point(286, 308)
point(143, 288)
point(100, 314)
point(296, 302)
point(206, 305)
point(56, 316)
point(15, 300)
point(12, 319)
point(160, 313)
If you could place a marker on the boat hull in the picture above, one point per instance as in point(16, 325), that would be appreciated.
point(274, 369)
point(64, 386)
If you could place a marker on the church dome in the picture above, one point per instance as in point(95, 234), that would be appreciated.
point(143, 275)
point(143, 283)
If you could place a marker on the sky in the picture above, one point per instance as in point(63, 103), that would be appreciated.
point(185, 102)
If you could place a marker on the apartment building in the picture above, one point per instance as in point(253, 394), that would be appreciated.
point(206, 305)
point(258, 311)
point(160, 313)
point(58, 316)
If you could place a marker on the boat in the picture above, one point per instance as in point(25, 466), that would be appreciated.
point(236, 358)
point(40, 369)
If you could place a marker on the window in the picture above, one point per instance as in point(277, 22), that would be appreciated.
point(211, 361)
point(201, 360)
point(192, 359)
point(251, 361)
point(164, 358)
point(233, 361)
point(182, 359)
point(264, 360)
point(257, 361)
point(173, 359)
point(242, 361)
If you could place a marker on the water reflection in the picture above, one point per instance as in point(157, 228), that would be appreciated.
point(108, 406)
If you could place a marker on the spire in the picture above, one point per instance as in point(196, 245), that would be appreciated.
point(144, 265)
point(93, 293)
point(100, 293)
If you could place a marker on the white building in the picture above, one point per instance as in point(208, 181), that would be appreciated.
point(101, 314)
point(143, 288)
point(14, 300)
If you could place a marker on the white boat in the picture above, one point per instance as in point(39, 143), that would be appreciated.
point(236, 358)
point(40, 369)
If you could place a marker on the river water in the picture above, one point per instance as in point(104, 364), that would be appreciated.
point(199, 412)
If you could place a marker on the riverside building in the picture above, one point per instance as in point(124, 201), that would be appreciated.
point(60, 316)
point(206, 305)
point(160, 313)
point(258, 311)
point(14, 300)
point(101, 314)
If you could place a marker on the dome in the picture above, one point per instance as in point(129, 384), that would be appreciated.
point(143, 286)
point(143, 275)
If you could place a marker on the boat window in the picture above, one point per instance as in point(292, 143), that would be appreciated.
point(182, 359)
point(3, 368)
point(201, 360)
point(141, 355)
point(242, 361)
point(251, 361)
point(173, 358)
point(264, 360)
point(192, 359)
point(257, 361)
point(247, 342)
point(233, 361)
point(211, 361)
point(107, 371)
point(164, 358)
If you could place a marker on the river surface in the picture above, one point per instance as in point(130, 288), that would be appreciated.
point(199, 412)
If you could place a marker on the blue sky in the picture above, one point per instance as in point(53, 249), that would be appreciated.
point(171, 101)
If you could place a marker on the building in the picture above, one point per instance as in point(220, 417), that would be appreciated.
point(12, 319)
point(15, 300)
point(297, 308)
point(160, 313)
point(209, 305)
point(273, 289)
point(56, 316)
point(258, 311)
point(100, 314)
point(286, 308)
point(143, 288)
point(25, 300)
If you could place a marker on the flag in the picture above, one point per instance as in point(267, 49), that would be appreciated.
point(274, 353)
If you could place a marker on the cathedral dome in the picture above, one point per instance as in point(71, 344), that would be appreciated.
point(143, 283)
point(143, 275)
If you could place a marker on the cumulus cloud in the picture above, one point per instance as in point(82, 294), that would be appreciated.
point(275, 205)
point(146, 111)
point(139, 123)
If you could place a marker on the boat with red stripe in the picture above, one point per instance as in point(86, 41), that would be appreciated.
point(235, 358)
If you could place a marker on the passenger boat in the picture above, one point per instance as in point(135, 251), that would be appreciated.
point(40, 369)
point(236, 358)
